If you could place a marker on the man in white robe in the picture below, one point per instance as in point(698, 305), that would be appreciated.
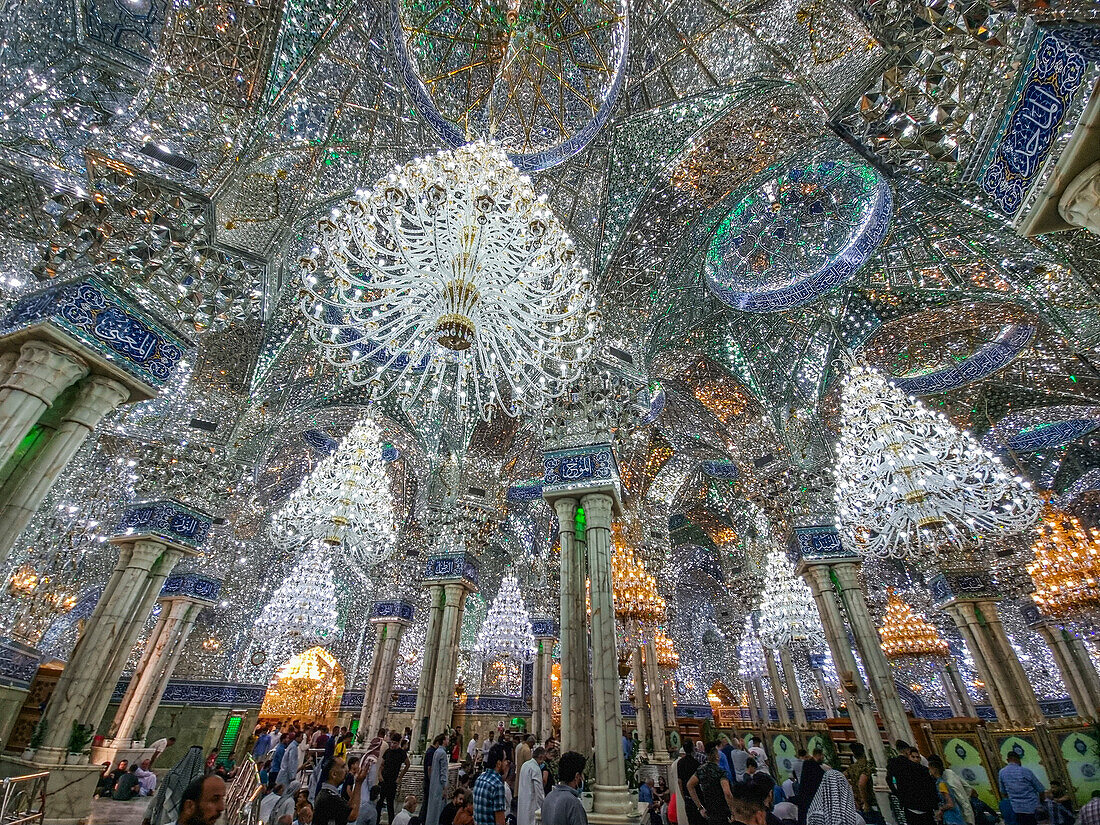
point(530, 788)
point(438, 780)
point(291, 761)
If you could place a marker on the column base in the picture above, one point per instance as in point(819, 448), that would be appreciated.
point(612, 804)
point(661, 758)
point(115, 749)
point(69, 788)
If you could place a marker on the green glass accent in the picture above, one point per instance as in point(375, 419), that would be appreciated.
point(354, 728)
point(229, 737)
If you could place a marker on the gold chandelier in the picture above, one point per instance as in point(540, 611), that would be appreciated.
point(907, 635)
point(635, 591)
point(667, 657)
point(1066, 569)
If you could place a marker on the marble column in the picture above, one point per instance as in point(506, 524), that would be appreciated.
point(857, 698)
point(42, 372)
point(656, 703)
point(828, 695)
point(8, 358)
point(750, 698)
point(542, 699)
point(794, 693)
point(97, 397)
point(1010, 692)
point(576, 702)
point(443, 693)
point(1076, 666)
point(782, 716)
point(869, 645)
point(610, 795)
point(669, 703)
point(763, 717)
point(177, 618)
point(641, 706)
point(424, 688)
point(390, 619)
point(955, 690)
point(1080, 202)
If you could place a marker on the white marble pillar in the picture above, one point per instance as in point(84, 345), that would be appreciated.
point(443, 692)
point(656, 703)
point(763, 717)
point(750, 700)
point(950, 669)
point(8, 358)
point(794, 693)
point(610, 795)
point(74, 695)
point(668, 679)
point(97, 397)
point(828, 695)
point(576, 703)
point(177, 618)
point(949, 690)
point(42, 372)
point(542, 700)
point(436, 601)
point(869, 644)
point(641, 707)
point(857, 698)
point(1076, 666)
point(1080, 202)
point(781, 715)
point(380, 685)
point(1010, 692)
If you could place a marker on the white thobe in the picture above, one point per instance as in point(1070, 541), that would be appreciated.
point(530, 792)
point(288, 769)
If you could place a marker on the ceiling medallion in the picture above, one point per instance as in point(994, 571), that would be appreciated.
point(540, 79)
point(799, 235)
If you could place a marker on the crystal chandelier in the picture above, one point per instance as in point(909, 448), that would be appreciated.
point(344, 502)
point(639, 608)
point(451, 272)
point(36, 601)
point(751, 654)
point(1066, 568)
point(905, 635)
point(505, 641)
point(910, 485)
point(787, 610)
point(302, 610)
point(667, 656)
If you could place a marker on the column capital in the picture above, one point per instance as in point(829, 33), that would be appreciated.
point(167, 521)
point(98, 396)
point(191, 585)
point(577, 471)
point(544, 627)
point(1080, 203)
point(43, 368)
point(397, 611)
point(819, 544)
point(453, 568)
point(598, 508)
point(950, 586)
point(566, 509)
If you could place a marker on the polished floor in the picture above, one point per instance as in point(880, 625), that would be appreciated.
point(110, 812)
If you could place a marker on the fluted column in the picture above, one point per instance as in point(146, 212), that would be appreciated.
point(382, 689)
point(857, 697)
point(867, 640)
point(42, 372)
point(442, 705)
point(1010, 692)
point(954, 701)
point(750, 698)
point(776, 684)
point(669, 700)
point(828, 695)
point(794, 693)
point(950, 669)
point(1080, 202)
point(762, 715)
point(98, 396)
point(436, 600)
point(610, 791)
point(656, 703)
point(542, 706)
point(177, 618)
point(641, 707)
point(1075, 664)
point(576, 703)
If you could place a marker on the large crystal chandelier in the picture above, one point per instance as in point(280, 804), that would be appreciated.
point(905, 635)
point(751, 654)
point(787, 610)
point(505, 641)
point(302, 610)
point(668, 658)
point(1066, 568)
point(639, 608)
point(911, 485)
point(344, 502)
point(450, 271)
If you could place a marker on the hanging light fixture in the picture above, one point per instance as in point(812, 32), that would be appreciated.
point(668, 658)
point(505, 641)
point(302, 610)
point(639, 608)
point(787, 611)
point(910, 485)
point(1066, 568)
point(751, 652)
point(451, 271)
point(344, 502)
point(905, 635)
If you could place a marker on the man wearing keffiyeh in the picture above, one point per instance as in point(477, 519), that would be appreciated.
point(834, 803)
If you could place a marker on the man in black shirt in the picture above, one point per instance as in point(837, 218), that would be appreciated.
point(812, 773)
point(330, 807)
point(395, 762)
point(914, 786)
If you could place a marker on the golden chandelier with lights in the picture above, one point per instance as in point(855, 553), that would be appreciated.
point(907, 635)
point(1066, 569)
point(667, 657)
point(635, 591)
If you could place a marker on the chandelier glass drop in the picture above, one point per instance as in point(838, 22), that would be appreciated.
point(905, 635)
point(668, 658)
point(787, 611)
point(302, 610)
point(1066, 568)
point(639, 608)
point(751, 654)
point(451, 272)
point(505, 641)
point(910, 485)
point(345, 502)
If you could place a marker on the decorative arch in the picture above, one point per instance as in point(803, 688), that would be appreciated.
point(307, 687)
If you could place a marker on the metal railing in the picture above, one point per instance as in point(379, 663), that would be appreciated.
point(23, 798)
point(242, 799)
